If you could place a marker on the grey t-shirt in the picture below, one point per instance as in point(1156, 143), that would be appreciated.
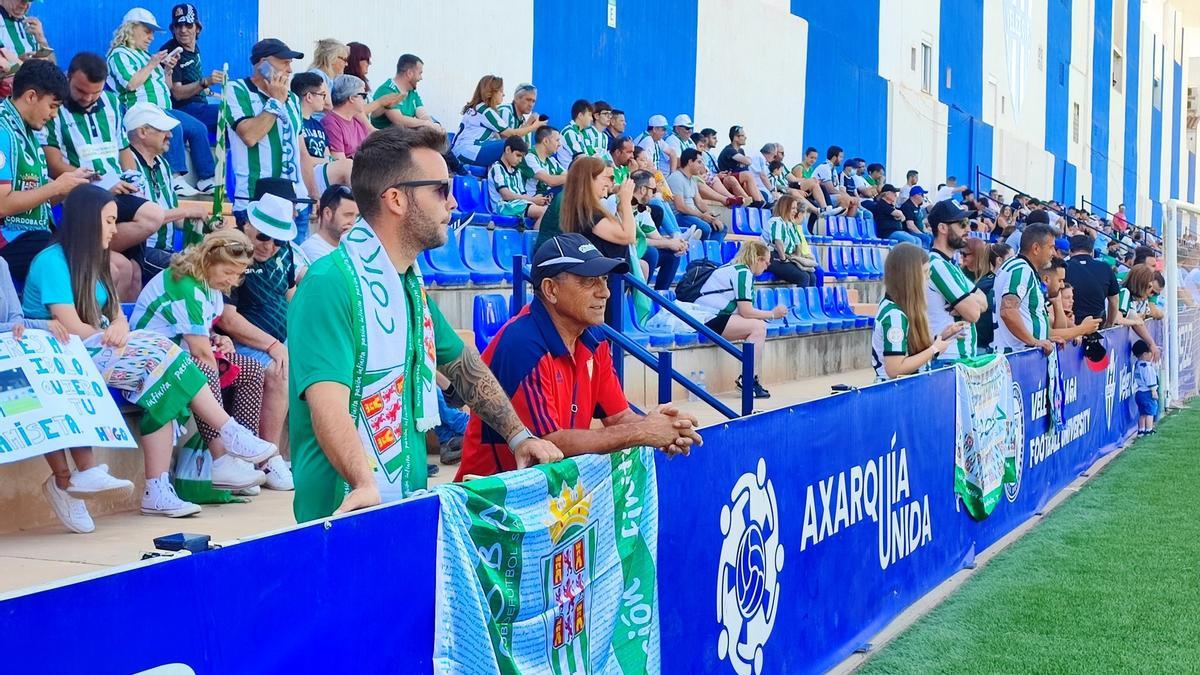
point(683, 186)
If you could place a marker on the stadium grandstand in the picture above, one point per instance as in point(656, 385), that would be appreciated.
point(514, 331)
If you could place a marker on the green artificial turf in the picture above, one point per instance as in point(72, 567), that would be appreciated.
point(1108, 582)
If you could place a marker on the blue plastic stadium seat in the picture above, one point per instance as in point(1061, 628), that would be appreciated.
point(835, 267)
point(712, 251)
point(842, 298)
point(833, 309)
point(729, 249)
point(127, 309)
point(657, 339)
point(756, 220)
point(469, 194)
point(741, 220)
point(695, 250)
point(446, 263)
point(497, 219)
point(764, 299)
point(477, 254)
point(477, 171)
point(489, 312)
point(802, 317)
point(631, 329)
point(817, 308)
point(505, 245)
point(858, 261)
point(528, 241)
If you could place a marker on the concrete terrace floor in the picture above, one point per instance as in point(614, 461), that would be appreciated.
point(30, 558)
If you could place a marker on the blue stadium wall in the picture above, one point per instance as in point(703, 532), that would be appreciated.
point(1027, 91)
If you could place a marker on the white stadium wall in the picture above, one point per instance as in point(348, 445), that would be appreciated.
point(760, 86)
point(916, 120)
point(459, 41)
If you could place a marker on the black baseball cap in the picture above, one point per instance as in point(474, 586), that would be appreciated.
point(185, 14)
point(573, 253)
point(1038, 216)
point(272, 47)
point(948, 211)
point(888, 187)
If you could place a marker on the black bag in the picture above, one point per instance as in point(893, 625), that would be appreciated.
point(697, 272)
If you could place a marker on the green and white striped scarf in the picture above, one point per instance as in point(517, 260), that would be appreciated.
point(390, 314)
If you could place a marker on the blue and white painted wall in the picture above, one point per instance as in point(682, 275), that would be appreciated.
point(1062, 98)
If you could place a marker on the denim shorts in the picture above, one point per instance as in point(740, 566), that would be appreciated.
point(1146, 403)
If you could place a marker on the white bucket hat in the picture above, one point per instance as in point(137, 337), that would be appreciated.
point(273, 216)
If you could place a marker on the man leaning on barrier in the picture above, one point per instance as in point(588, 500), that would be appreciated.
point(556, 366)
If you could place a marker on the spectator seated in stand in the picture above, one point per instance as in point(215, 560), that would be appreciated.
point(914, 216)
point(729, 294)
point(806, 190)
point(536, 354)
point(680, 139)
point(141, 77)
point(480, 139)
point(189, 84)
point(760, 171)
point(26, 192)
point(336, 213)
point(733, 162)
point(318, 167)
point(575, 141)
point(691, 210)
point(832, 180)
point(329, 60)
point(792, 258)
point(653, 142)
point(401, 105)
point(89, 133)
point(346, 126)
point(724, 184)
point(597, 134)
point(889, 219)
point(181, 304)
point(509, 186)
point(660, 255)
point(542, 166)
point(22, 36)
point(519, 117)
point(69, 282)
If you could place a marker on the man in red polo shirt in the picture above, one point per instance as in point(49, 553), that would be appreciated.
point(557, 368)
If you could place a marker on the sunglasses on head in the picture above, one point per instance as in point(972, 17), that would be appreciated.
point(443, 186)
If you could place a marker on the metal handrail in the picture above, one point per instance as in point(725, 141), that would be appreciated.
point(979, 173)
point(1085, 201)
point(661, 363)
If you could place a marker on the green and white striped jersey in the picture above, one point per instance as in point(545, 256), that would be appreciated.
point(1124, 301)
point(726, 286)
point(1017, 277)
point(533, 165)
point(23, 166)
point(93, 139)
point(14, 36)
point(575, 142)
point(678, 144)
point(174, 307)
point(157, 188)
point(948, 285)
point(277, 154)
point(513, 120)
point(889, 337)
point(123, 64)
point(785, 232)
point(479, 125)
point(500, 176)
point(599, 141)
point(657, 150)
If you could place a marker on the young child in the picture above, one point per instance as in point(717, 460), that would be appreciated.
point(1145, 378)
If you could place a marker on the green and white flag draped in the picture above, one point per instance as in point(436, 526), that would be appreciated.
point(987, 433)
point(564, 559)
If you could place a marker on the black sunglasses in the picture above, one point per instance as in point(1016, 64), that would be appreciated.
point(265, 238)
point(362, 94)
point(443, 186)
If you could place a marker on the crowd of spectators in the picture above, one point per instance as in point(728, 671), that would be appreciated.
point(98, 158)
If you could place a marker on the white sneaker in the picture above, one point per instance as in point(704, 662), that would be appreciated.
point(183, 188)
point(692, 232)
point(243, 444)
point(832, 211)
point(160, 499)
point(71, 511)
point(252, 491)
point(279, 476)
point(231, 473)
point(87, 484)
point(205, 186)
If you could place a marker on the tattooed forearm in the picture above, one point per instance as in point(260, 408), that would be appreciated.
point(478, 388)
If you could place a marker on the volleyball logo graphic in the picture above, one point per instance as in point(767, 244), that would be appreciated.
point(1016, 437)
point(748, 577)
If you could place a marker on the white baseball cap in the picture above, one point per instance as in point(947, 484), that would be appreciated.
point(143, 16)
point(657, 121)
point(682, 120)
point(147, 114)
point(273, 216)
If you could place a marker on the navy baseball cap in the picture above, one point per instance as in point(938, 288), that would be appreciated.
point(272, 47)
point(948, 211)
point(573, 253)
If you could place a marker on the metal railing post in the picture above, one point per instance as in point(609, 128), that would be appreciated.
point(747, 378)
point(664, 376)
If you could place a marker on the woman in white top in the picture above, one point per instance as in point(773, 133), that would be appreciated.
point(480, 139)
point(900, 342)
point(728, 290)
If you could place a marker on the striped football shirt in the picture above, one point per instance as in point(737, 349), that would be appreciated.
point(947, 287)
point(276, 155)
point(1017, 277)
point(123, 64)
point(93, 139)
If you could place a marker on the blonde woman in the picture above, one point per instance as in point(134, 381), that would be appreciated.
point(730, 291)
point(139, 76)
point(900, 342)
point(181, 304)
point(329, 60)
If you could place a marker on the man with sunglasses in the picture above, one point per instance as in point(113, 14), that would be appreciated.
point(949, 296)
point(367, 342)
point(346, 126)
